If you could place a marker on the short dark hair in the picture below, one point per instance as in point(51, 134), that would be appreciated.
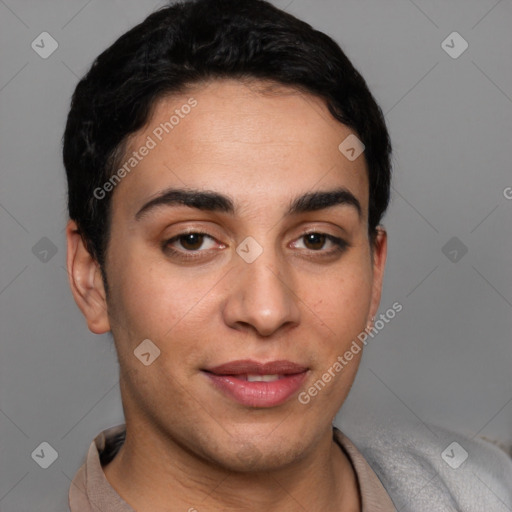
point(190, 42)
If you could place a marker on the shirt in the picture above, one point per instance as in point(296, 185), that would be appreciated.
point(90, 490)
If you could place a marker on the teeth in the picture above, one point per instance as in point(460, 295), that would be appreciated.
point(262, 378)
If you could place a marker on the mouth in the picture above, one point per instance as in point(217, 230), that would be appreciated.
point(259, 378)
point(255, 384)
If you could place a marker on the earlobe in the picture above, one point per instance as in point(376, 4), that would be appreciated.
point(85, 281)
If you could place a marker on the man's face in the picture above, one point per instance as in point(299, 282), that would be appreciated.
point(207, 300)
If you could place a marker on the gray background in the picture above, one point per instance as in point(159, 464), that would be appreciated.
point(444, 360)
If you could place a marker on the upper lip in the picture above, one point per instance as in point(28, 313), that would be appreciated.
point(249, 367)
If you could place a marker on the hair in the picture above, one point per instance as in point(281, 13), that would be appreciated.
point(189, 43)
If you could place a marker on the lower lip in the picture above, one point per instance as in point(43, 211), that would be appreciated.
point(258, 394)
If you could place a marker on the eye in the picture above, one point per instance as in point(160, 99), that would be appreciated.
point(192, 241)
point(315, 241)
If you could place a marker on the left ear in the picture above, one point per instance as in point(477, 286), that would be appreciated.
point(380, 249)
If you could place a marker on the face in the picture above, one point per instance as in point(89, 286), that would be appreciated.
point(245, 276)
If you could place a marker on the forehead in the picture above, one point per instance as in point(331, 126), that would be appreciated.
point(244, 139)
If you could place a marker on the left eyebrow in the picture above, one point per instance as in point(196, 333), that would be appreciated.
point(321, 200)
point(214, 201)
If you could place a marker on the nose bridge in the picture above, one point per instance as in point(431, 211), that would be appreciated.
point(262, 293)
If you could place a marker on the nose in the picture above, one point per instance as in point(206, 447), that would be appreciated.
point(261, 297)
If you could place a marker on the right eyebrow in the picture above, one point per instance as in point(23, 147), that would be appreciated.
point(210, 201)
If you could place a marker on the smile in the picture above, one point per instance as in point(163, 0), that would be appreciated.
point(256, 384)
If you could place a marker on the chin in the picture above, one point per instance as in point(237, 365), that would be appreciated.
point(254, 457)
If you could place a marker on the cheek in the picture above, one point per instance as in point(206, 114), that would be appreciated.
point(152, 300)
point(342, 300)
point(342, 305)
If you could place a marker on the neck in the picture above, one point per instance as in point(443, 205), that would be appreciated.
point(156, 474)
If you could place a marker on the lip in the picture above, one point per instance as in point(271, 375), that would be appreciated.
point(229, 378)
point(245, 366)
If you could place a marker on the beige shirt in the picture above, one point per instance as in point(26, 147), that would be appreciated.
point(90, 491)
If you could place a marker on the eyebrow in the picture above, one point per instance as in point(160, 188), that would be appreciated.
point(216, 202)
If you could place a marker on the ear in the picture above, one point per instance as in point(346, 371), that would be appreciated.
point(380, 249)
point(86, 282)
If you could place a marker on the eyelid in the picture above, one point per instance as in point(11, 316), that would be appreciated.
point(192, 232)
point(339, 243)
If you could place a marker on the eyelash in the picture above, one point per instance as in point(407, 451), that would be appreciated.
point(340, 245)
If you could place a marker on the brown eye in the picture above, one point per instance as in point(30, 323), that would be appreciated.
point(315, 241)
point(191, 241)
point(191, 245)
point(322, 243)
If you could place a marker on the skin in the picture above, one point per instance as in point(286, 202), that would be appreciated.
point(188, 445)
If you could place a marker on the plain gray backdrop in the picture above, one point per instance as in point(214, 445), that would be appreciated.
point(445, 359)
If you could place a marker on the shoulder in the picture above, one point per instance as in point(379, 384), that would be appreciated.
point(425, 467)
